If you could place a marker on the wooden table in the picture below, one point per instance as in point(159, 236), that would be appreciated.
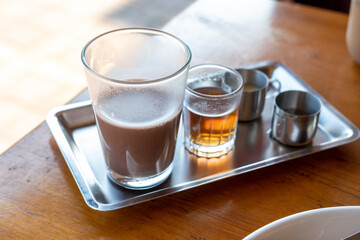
point(39, 197)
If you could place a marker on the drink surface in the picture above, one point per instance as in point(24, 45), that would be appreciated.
point(250, 88)
point(211, 90)
point(138, 131)
point(207, 129)
point(137, 108)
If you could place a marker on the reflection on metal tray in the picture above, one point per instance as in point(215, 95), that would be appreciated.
point(73, 127)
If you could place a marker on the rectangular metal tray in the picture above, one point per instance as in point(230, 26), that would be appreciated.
point(73, 127)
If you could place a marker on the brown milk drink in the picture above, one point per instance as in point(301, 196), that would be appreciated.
point(141, 141)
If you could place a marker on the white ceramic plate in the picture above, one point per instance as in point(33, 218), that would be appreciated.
point(325, 223)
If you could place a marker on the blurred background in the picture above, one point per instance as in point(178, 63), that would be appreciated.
point(40, 45)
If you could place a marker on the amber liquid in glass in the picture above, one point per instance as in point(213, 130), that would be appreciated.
point(210, 130)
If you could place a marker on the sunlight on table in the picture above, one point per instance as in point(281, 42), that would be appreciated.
point(40, 45)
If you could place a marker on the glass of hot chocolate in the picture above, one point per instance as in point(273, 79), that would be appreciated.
point(137, 79)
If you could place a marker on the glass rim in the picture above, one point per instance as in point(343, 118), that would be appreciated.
point(203, 95)
point(139, 30)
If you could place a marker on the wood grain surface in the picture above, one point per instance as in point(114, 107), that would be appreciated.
point(39, 197)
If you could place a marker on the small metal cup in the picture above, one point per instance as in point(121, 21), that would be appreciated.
point(295, 118)
point(253, 98)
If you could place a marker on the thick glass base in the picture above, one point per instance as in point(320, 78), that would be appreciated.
point(206, 151)
point(139, 183)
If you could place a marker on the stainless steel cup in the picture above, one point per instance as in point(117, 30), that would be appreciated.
point(253, 98)
point(295, 118)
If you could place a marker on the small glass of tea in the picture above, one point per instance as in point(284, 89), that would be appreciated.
point(210, 111)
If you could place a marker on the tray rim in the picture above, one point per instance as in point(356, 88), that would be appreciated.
point(59, 135)
point(69, 153)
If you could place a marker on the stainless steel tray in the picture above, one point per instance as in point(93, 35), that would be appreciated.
point(73, 127)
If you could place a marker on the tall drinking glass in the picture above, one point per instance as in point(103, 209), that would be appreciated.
point(136, 79)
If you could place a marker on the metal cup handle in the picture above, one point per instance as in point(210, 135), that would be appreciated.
point(275, 84)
